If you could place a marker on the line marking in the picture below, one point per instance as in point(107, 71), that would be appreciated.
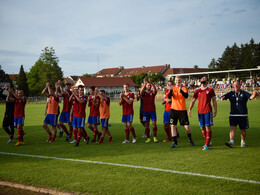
point(134, 166)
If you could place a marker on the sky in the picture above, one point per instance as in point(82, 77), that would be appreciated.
point(89, 35)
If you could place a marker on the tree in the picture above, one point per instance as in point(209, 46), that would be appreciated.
point(245, 56)
point(195, 66)
point(45, 69)
point(21, 81)
point(86, 75)
point(3, 76)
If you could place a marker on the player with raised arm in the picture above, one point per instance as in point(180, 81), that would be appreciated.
point(205, 94)
point(139, 97)
point(126, 101)
point(53, 104)
point(166, 116)
point(149, 110)
point(104, 115)
point(178, 95)
point(80, 102)
point(19, 114)
point(94, 114)
point(65, 114)
point(8, 116)
point(238, 112)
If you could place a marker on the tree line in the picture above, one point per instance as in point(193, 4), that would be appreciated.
point(235, 57)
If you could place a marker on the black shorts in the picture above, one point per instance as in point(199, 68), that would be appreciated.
point(8, 121)
point(241, 121)
point(180, 115)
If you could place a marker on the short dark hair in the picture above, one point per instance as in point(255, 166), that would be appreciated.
point(68, 84)
point(92, 87)
point(80, 86)
point(171, 82)
point(126, 84)
point(103, 91)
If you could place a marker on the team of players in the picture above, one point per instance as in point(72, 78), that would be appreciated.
point(75, 102)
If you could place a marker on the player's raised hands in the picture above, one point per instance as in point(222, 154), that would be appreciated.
point(150, 80)
point(47, 84)
point(121, 95)
point(96, 91)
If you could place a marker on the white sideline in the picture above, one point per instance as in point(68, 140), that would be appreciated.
point(134, 166)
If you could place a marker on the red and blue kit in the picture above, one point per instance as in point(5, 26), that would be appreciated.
point(65, 114)
point(79, 112)
point(66, 103)
point(94, 115)
point(149, 106)
point(94, 110)
point(204, 97)
point(128, 108)
point(166, 115)
point(19, 105)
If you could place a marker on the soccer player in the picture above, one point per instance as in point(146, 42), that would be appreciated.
point(8, 116)
point(178, 95)
point(65, 114)
point(80, 102)
point(19, 106)
point(104, 115)
point(205, 94)
point(139, 97)
point(238, 115)
point(149, 110)
point(53, 104)
point(94, 114)
point(166, 115)
point(126, 101)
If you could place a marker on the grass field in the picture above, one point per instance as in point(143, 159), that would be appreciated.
point(89, 178)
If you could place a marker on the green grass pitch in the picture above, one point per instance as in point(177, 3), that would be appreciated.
point(79, 177)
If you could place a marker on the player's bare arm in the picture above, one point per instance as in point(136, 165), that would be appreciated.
point(215, 106)
point(191, 105)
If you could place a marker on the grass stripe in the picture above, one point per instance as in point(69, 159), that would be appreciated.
point(134, 166)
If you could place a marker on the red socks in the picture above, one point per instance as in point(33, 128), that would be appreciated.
point(71, 130)
point(20, 135)
point(79, 136)
point(167, 131)
point(127, 132)
point(133, 132)
point(64, 129)
point(208, 137)
point(95, 134)
point(147, 131)
point(75, 134)
point(155, 131)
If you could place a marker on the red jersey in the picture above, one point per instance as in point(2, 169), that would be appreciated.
point(66, 103)
point(19, 105)
point(79, 108)
point(94, 110)
point(204, 96)
point(167, 105)
point(128, 108)
point(148, 101)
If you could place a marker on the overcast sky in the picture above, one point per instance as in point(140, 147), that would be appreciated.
point(129, 33)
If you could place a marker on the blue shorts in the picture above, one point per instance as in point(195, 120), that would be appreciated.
point(166, 117)
point(104, 122)
point(206, 119)
point(93, 120)
point(18, 121)
point(51, 119)
point(78, 122)
point(149, 115)
point(127, 118)
point(64, 117)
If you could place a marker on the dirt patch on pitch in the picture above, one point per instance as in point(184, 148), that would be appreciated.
point(11, 188)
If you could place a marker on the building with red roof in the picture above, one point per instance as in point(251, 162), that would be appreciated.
point(109, 84)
